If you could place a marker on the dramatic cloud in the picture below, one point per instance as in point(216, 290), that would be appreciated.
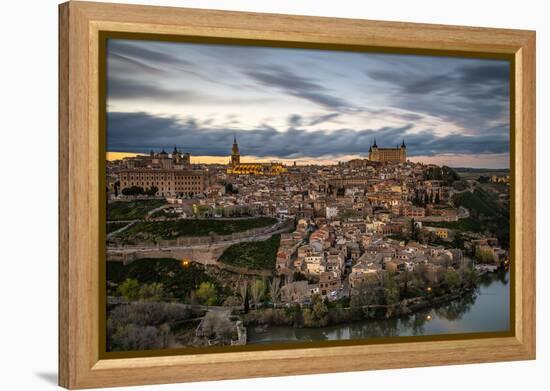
point(120, 88)
point(323, 118)
point(298, 86)
point(473, 96)
point(141, 132)
point(295, 120)
point(284, 102)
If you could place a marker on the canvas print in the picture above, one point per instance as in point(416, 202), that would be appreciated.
point(263, 195)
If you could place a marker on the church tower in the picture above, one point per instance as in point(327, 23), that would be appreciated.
point(373, 152)
point(235, 155)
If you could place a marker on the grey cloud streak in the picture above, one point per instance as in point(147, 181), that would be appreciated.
point(297, 86)
point(473, 96)
point(278, 101)
point(141, 53)
point(120, 88)
point(141, 132)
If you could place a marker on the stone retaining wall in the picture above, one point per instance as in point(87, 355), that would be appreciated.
point(213, 239)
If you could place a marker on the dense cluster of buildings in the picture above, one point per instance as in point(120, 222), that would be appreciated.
point(337, 260)
point(352, 218)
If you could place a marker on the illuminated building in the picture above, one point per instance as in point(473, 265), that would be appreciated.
point(171, 174)
point(235, 167)
point(394, 155)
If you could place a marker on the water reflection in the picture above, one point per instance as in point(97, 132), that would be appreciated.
point(454, 310)
point(484, 310)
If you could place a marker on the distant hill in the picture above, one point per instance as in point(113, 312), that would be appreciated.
point(480, 170)
point(486, 213)
point(475, 173)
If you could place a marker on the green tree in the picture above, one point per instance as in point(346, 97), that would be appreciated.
point(405, 277)
point(133, 190)
point(206, 293)
point(256, 290)
point(319, 309)
point(365, 293)
point(153, 190)
point(230, 189)
point(468, 275)
point(129, 289)
point(151, 292)
point(452, 279)
point(246, 306)
point(484, 255)
point(483, 179)
point(275, 290)
point(298, 276)
point(244, 295)
point(117, 188)
point(391, 291)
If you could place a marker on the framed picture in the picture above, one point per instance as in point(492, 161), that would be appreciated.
point(246, 195)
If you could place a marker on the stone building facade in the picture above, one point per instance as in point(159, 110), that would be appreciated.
point(172, 174)
point(393, 155)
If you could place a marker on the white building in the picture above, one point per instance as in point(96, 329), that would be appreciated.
point(331, 212)
point(315, 263)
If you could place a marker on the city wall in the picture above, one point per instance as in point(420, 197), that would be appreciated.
point(205, 256)
point(211, 239)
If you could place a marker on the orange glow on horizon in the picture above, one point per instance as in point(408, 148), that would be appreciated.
point(481, 161)
point(121, 155)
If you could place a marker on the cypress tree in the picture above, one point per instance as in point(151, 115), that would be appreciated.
point(246, 305)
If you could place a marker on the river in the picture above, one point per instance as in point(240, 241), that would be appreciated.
point(487, 310)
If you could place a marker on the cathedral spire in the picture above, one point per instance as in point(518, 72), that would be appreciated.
point(374, 145)
point(235, 155)
point(403, 144)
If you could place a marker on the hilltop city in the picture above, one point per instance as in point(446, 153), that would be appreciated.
point(268, 244)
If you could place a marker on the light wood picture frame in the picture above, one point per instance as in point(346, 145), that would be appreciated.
point(81, 150)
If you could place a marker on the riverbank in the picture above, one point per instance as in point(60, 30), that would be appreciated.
point(335, 314)
point(484, 309)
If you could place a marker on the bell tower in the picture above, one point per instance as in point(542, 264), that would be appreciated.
point(374, 154)
point(235, 155)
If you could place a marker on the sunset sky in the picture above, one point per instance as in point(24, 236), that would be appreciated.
point(305, 105)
